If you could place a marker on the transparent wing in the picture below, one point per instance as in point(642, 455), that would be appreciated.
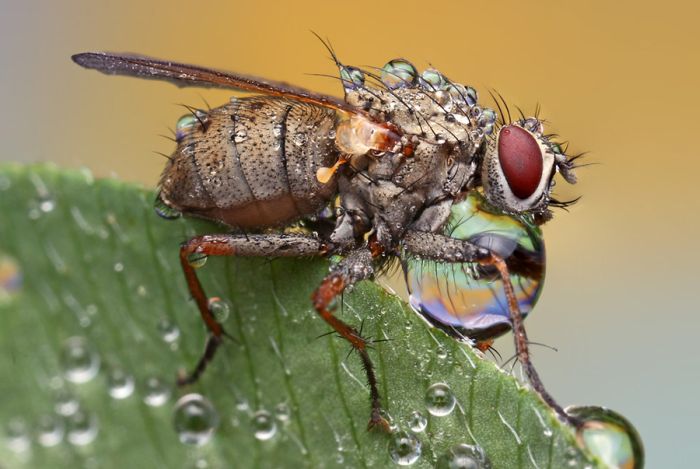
point(192, 75)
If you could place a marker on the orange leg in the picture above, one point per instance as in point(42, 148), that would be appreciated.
point(355, 267)
point(273, 245)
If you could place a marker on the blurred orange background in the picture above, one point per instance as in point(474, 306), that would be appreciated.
point(617, 79)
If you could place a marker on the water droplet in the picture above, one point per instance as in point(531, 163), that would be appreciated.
point(120, 384)
point(80, 363)
point(156, 392)
point(184, 125)
point(219, 308)
point(17, 435)
point(397, 73)
point(439, 400)
point(47, 205)
point(417, 422)
point(195, 419)
point(165, 211)
point(49, 430)
point(240, 136)
point(609, 436)
point(10, 278)
point(282, 412)
point(441, 352)
point(66, 404)
point(299, 139)
point(168, 330)
point(197, 259)
point(81, 428)
point(404, 448)
point(264, 425)
point(277, 130)
point(464, 457)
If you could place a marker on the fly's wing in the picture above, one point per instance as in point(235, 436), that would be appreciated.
point(192, 75)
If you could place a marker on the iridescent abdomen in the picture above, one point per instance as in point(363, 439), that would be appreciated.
point(467, 299)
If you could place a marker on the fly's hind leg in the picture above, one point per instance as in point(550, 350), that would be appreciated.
point(353, 268)
point(445, 249)
point(270, 245)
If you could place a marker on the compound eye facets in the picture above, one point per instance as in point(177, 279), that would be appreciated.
point(521, 160)
point(398, 73)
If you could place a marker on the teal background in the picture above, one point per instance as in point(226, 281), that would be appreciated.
point(617, 80)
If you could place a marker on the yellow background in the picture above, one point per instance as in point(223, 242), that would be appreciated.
point(617, 79)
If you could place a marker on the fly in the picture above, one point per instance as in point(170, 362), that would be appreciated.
point(406, 166)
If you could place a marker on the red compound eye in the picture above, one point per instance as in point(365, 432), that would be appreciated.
point(521, 160)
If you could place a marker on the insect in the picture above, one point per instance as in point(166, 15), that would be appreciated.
point(406, 166)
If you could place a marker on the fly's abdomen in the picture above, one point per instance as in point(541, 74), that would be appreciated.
point(254, 164)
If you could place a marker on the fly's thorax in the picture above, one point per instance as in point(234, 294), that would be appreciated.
point(428, 106)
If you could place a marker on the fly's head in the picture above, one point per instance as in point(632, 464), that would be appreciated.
point(519, 165)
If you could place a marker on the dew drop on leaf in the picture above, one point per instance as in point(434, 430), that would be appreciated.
point(195, 419)
point(81, 428)
point(168, 330)
point(404, 448)
point(417, 422)
point(609, 436)
point(66, 404)
point(17, 435)
point(10, 278)
point(49, 430)
point(220, 308)
point(439, 400)
point(80, 362)
point(156, 392)
point(463, 457)
point(282, 412)
point(120, 384)
point(264, 426)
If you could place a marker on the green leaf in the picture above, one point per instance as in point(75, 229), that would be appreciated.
point(100, 267)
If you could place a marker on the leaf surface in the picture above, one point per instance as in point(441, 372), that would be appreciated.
point(97, 264)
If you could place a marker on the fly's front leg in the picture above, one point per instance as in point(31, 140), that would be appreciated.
point(355, 267)
point(272, 245)
point(445, 249)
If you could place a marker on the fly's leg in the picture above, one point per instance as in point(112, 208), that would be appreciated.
point(445, 249)
point(272, 245)
point(355, 267)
